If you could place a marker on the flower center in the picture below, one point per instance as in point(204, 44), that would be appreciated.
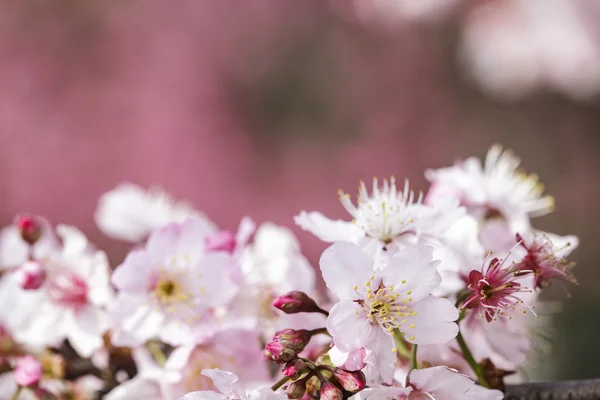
point(68, 289)
point(202, 358)
point(387, 307)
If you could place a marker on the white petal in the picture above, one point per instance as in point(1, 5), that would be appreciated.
point(327, 229)
point(345, 265)
point(226, 382)
point(346, 326)
point(434, 323)
point(480, 393)
point(138, 388)
point(411, 269)
point(441, 382)
point(203, 395)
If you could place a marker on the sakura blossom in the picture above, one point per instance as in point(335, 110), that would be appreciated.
point(495, 192)
point(386, 216)
point(433, 297)
point(170, 286)
point(374, 303)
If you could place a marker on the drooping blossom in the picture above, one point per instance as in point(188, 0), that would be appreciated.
point(374, 303)
point(170, 286)
point(70, 304)
point(129, 212)
point(546, 257)
point(385, 218)
point(495, 289)
point(230, 388)
point(496, 193)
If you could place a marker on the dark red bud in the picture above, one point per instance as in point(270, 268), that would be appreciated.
point(295, 302)
point(29, 228)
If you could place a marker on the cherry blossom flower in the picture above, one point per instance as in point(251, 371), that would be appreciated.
point(436, 383)
point(70, 304)
point(546, 257)
point(494, 192)
point(130, 213)
point(495, 289)
point(388, 220)
point(170, 286)
point(384, 217)
point(373, 303)
point(230, 388)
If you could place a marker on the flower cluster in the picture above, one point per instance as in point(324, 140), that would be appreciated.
point(429, 296)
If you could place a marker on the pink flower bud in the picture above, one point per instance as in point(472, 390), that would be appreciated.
point(295, 302)
point(294, 369)
point(28, 371)
point(221, 241)
point(29, 228)
point(351, 381)
point(31, 275)
point(279, 352)
point(330, 392)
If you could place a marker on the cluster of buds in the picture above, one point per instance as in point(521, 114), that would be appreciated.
point(307, 376)
point(31, 274)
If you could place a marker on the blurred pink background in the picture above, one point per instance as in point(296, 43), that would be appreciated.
point(267, 107)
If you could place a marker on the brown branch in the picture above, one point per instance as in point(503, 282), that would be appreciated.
point(567, 390)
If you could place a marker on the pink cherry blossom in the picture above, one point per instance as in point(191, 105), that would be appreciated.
point(70, 304)
point(546, 257)
point(171, 286)
point(374, 303)
point(494, 190)
point(30, 275)
point(383, 217)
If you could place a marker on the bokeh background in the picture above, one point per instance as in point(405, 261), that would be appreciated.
point(267, 107)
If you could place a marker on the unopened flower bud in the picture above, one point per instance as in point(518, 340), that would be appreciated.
point(351, 381)
point(295, 302)
point(279, 352)
point(29, 228)
point(330, 392)
point(296, 389)
point(28, 371)
point(294, 369)
point(287, 343)
point(221, 241)
point(31, 275)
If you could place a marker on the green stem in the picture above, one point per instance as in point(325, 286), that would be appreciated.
point(157, 353)
point(280, 383)
point(17, 393)
point(413, 362)
point(401, 349)
point(469, 358)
